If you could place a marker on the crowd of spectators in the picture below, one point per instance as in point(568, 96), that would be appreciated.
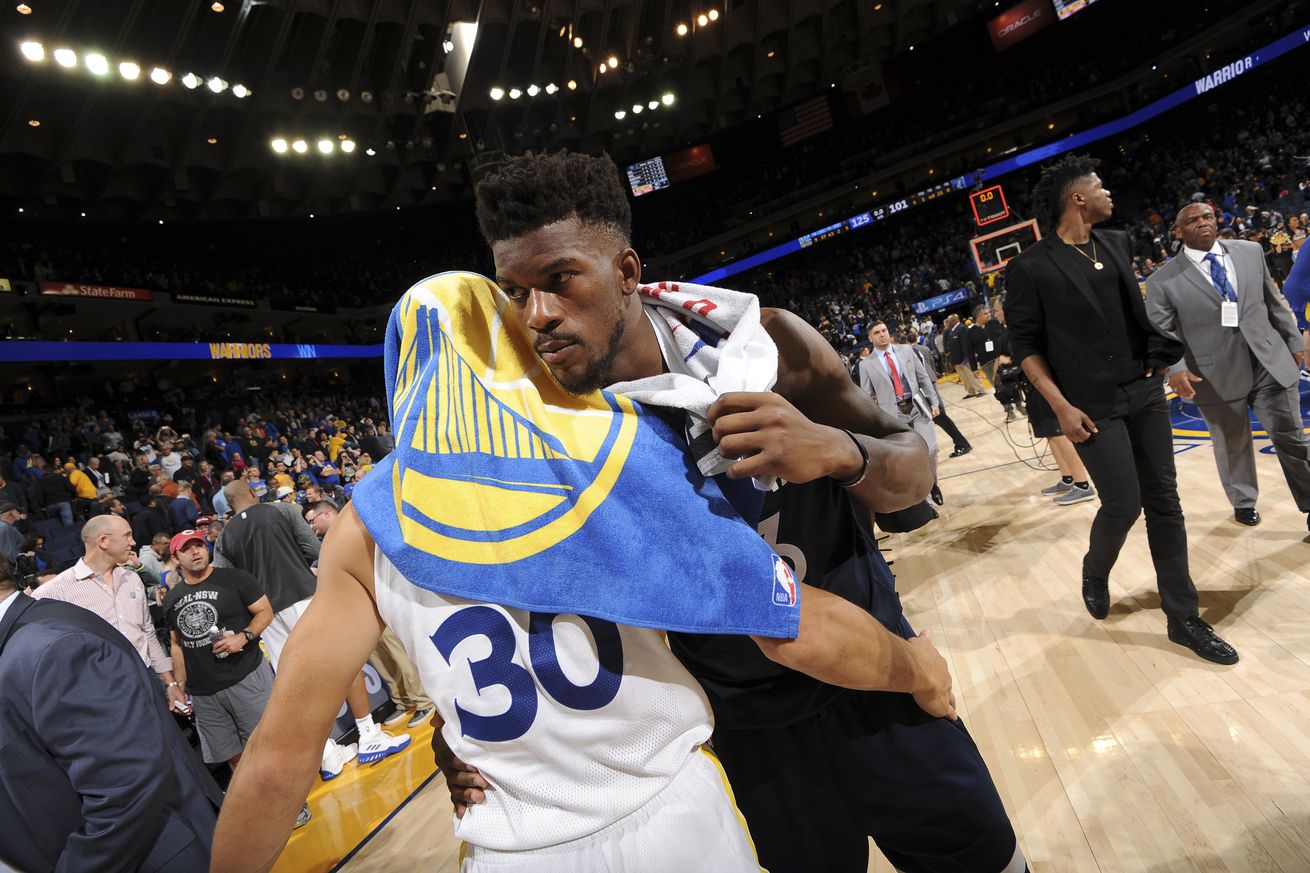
point(167, 474)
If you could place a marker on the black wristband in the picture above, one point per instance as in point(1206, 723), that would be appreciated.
point(864, 454)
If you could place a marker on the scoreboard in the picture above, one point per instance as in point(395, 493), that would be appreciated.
point(647, 176)
point(989, 205)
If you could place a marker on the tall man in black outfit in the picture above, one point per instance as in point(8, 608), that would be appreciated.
point(1078, 326)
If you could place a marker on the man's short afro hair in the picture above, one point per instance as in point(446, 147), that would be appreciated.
point(1051, 193)
point(530, 192)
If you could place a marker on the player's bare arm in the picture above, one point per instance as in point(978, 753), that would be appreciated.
point(323, 656)
point(797, 431)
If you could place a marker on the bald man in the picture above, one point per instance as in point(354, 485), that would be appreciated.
point(104, 582)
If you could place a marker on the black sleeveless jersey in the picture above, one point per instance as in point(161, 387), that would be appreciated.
point(828, 539)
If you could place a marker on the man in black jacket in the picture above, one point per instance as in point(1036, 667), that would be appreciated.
point(960, 355)
point(1079, 328)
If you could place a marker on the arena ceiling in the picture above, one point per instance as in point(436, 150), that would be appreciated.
point(168, 110)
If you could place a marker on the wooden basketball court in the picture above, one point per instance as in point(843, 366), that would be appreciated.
point(1114, 749)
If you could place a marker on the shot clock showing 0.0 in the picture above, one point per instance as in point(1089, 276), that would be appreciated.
point(989, 205)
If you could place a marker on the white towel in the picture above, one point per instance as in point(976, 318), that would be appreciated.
point(713, 343)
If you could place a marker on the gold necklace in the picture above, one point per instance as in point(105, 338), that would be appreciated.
point(1096, 262)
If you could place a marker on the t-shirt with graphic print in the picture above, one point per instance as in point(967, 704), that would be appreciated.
point(222, 599)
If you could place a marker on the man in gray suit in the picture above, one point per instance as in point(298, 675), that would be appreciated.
point(900, 383)
point(1243, 352)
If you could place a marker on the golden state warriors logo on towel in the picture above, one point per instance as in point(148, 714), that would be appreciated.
point(496, 462)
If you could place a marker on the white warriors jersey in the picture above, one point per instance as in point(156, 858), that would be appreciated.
point(574, 722)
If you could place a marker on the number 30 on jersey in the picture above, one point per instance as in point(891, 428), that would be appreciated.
point(499, 668)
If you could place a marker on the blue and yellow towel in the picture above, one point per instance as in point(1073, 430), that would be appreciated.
point(505, 488)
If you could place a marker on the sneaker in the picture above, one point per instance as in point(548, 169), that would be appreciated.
point(379, 745)
point(1057, 489)
point(421, 717)
point(303, 818)
point(1009, 415)
point(398, 716)
point(335, 760)
point(1076, 494)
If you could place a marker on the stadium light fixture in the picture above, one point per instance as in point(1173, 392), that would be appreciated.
point(573, 84)
point(216, 6)
point(32, 50)
point(613, 62)
point(325, 146)
point(682, 29)
point(66, 57)
point(190, 81)
point(216, 85)
point(23, 9)
point(300, 146)
point(280, 146)
point(533, 90)
point(97, 63)
point(577, 42)
point(604, 69)
point(33, 122)
point(654, 104)
point(667, 99)
point(636, 108)
point(347, 145)
point(620, 115)
point(714, 15)
point(240, 91)
point(160, 76)
point(370, 152)
point(515, 93)
point(497, 93)
point(129, 70)
point(702, 19)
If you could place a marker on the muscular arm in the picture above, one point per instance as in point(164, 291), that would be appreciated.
point(323, 656)
point(261, 612)
point(812, 379)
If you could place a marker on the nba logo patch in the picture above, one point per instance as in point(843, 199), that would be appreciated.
point(785, 589)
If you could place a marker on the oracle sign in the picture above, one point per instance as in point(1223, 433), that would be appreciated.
point(1020, 22)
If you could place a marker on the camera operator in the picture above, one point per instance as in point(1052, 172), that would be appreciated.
point(995, 340)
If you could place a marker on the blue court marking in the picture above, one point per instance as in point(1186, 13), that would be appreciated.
point(1188, 423)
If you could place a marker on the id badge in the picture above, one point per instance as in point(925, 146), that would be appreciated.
point(1228, 313)
point(989, 345)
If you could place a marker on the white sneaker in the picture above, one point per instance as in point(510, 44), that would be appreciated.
point(380, 744)
point(1076, 494)
point(335, 760)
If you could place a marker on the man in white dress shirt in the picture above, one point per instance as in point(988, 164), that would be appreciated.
point(1243, 353)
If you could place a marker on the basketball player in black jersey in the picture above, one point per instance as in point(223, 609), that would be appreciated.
point(816, 768)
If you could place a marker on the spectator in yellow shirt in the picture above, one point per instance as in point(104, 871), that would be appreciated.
point(86, 489)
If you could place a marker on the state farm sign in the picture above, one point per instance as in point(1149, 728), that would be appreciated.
point(1020, 22)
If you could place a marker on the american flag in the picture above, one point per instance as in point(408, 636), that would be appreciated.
point(804, 120)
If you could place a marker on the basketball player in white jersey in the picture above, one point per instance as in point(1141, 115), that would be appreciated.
point(588, 775)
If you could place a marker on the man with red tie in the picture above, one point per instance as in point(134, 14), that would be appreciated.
point(900, 383)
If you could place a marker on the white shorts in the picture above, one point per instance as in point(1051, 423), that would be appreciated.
point(275, 635)
point(692, 826)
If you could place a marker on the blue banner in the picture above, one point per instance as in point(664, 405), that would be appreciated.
point(941, 301)
point(22, 351)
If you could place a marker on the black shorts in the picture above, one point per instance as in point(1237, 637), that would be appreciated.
point(1041, 417)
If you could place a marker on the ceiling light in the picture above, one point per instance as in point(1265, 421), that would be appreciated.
point(97, 64)
point(320, 95)
point(714, 15)
point(552, 88)
point(33, 122)
point(613, 62)
point(667, 99)
point(533, 90)
point(213, 140)
point(654, 104)
point(347, 145)
point(366, 96)
point(240, 91)
point(620, 115)
point(877, 7)
point(497, 93)
point(84, 216)
point(702, 20)
point(515, 93)
point(160, 76)
point(636, 108)
point(216, 6)
point(190, 80)
point(129, 70)
point(66, 57)
point(216, 85)
point(682, 29)
point(24, 9)
point(34, 51)
point(280, 146)
point(300, 146)
point(604, 69)
point(161, 221)
point(573, 84)
point(448, 46)
point(369, 152)
point(20, 209)
point(463, 134)
point(326, 146)
point(771, 53)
